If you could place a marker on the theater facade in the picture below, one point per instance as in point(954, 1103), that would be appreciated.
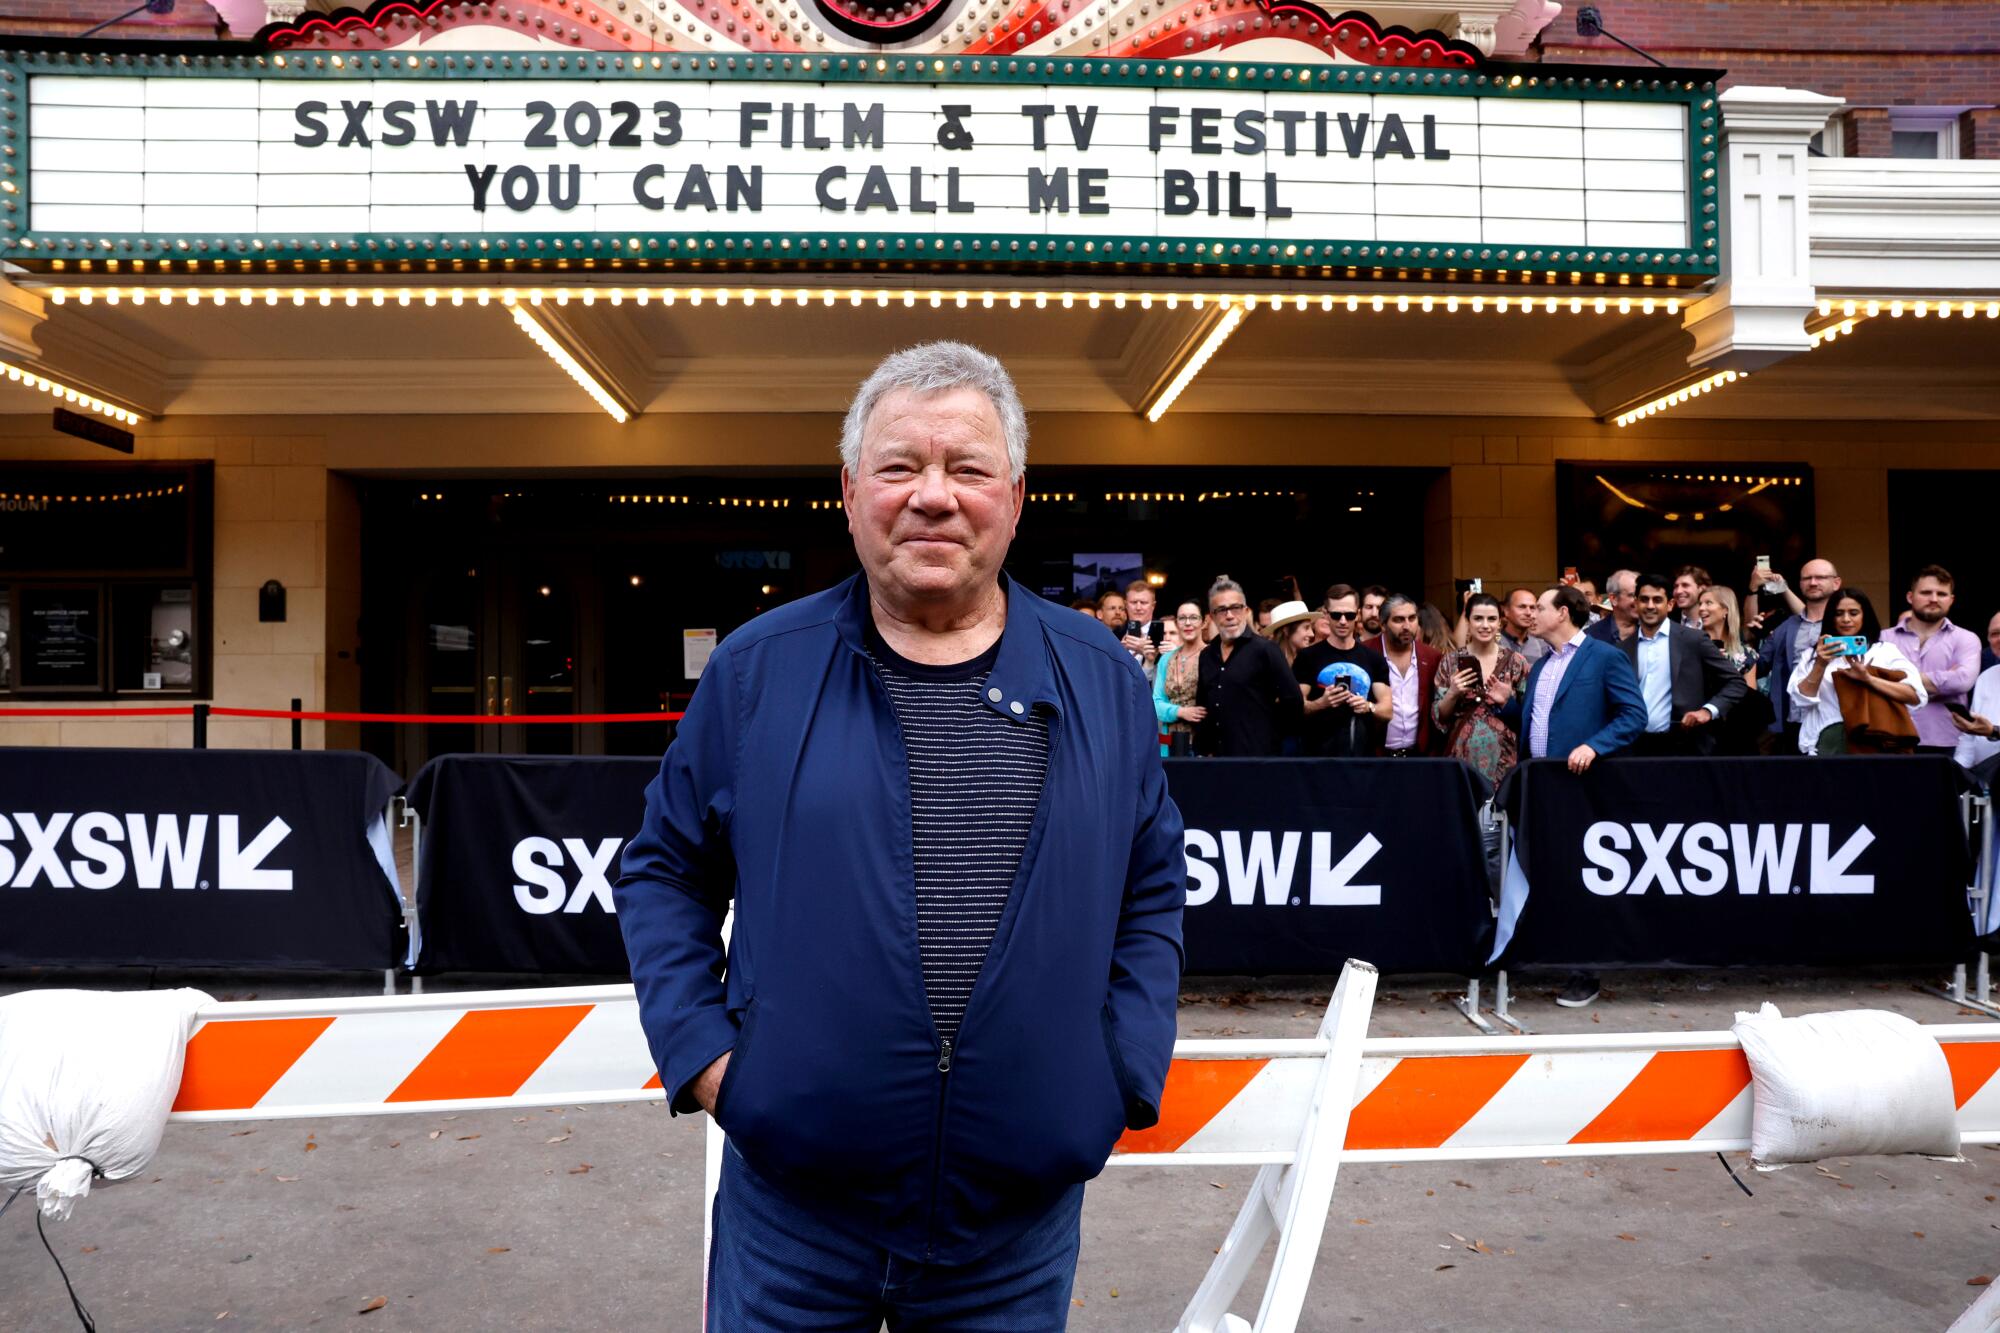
point(489, 359)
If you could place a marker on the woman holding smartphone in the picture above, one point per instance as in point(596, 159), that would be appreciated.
point(1473, 684)
point(1849, 616)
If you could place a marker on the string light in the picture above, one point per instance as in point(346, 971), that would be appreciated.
point(1681, 395)
point(562, 357)
point(1403, 302)
point(1232, 316)
point(39, 497)
point(89, 402)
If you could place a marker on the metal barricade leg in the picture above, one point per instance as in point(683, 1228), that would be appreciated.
point(1293, 1199)
point(1975, 810)
point(1502, 998)
point(1468, 1004)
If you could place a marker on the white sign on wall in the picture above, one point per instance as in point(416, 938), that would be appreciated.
point(297, 158)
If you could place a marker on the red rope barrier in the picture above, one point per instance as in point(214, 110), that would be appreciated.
point(502, 719)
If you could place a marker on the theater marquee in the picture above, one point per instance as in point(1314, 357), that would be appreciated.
point(382, 161)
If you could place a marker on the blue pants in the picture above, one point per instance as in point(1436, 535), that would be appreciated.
point(772, 1266)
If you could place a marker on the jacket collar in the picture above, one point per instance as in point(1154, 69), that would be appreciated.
point(1021, 676)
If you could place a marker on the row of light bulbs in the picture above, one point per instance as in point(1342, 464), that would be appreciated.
point(908, 298)
point(1706, 384)
point(38, 497)
point(1921, 309)
point(719, 502)
point(89, 402)
point(575, 369)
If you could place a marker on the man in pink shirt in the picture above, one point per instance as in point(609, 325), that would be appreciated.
point(1947, 656)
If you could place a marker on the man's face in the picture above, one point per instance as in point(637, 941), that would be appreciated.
point(1817, 582)
point(1993, 633)
point(1232, 614)
point(1551, 621)
point(1341, 614)
point(1930, 601)
point(1522, 613)
point(1371, 613)
point(929, 503)
point(1588, 587)
point(1111, 610)
point(1624, 602)
point(1652, 607)
point(1139, 605)
point(1400, 628)
point(1685, 592)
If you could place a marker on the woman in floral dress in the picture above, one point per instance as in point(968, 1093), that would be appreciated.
point(1467, 708)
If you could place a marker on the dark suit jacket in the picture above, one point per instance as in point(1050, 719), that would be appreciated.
point(1776, 657)
point(1427, 667)
point(1597, 703)
point(1701, 677)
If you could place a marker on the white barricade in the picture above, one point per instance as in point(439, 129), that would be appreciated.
point(1297, 1108)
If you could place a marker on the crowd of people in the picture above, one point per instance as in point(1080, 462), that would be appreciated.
point(1645, 663)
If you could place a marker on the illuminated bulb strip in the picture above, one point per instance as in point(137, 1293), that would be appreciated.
point(1896, 309)
point(561, 356)
point(1496, 301)
point(1681, 395)
point(89, 402)
point(1833, 331)
point(1217, 336)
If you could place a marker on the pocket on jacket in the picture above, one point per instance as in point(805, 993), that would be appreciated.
point(1121, 1083)
point(732, 1073)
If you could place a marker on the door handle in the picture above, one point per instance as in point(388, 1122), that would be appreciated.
point(492, 695)
point(507, 695)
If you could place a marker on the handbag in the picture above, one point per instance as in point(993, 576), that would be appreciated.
point(1875, 725)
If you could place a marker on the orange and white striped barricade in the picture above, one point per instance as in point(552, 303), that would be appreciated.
point(1297, 1108)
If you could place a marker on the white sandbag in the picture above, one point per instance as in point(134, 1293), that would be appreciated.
point(1844, 1084)
point(86, 1081)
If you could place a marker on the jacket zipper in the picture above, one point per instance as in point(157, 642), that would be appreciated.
point(945, 1049)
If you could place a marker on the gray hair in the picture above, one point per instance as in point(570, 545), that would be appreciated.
point(937, 367)
point(1621, 582)
point(1223, 585)
point(1394, 600)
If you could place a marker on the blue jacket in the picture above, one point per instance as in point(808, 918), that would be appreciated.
point(1597, 702)
point(788, 787)
point(1776, 657)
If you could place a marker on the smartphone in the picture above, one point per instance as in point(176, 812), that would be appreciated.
point(1850, 645)
point(1569, 577)
point(1956, 709)
point(1762, 575)
point(1157, 631)
point(1478, 676)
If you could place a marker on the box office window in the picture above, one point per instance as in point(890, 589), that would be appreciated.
point(104, 579)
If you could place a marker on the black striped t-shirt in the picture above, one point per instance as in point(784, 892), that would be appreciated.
point(975, 782)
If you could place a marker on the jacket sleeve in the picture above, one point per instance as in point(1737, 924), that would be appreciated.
point(1146, 956)
point(675, 884)
point(1164, 712)
point(1621, 689)
point(1719, 674)
point(1285, 689)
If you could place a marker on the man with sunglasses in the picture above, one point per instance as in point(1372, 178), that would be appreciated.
point(1343, 721)
point(1246, 690)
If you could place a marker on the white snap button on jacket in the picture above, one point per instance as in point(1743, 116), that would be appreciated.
point(1016, 706)
point(994, 695)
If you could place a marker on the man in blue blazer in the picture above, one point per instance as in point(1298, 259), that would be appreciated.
point(1581, 700)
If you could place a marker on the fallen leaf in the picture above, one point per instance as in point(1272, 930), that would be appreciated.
point(464, 1137)
point(1729, 1224)
point(90, 1249)
point(1823, 1171)
point(499, 1249)
point(1626, 1235)
point(560, 1138)
point(1844, 1185)
point(583, 1170)
point(520, 1120)
point(1455, 1236)
point(1114, 1293)
point(1462, 1185)
point(287, 1179)
point(397, 1144)
point(1430, 1194)
point(1918, 1234)
point(1508, 1253)
point(373, 1305)
point(237, 1134)
point(436, 1132)
point(1363, 1222)
point(1979, 1281)
point(1216, 1184)
point(1479, 1246)
point(1441, 1267)
point(311, 1146)
point(1076, 1300)
point(224, 1315)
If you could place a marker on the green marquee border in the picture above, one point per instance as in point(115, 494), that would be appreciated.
point(345, 252)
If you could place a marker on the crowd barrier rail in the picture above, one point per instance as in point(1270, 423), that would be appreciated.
point(1297, 1109)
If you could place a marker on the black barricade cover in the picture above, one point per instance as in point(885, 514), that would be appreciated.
point(518, 858)
point(1736, 862)
point(196, 858)
point(1294, 865)
point(1297, 865)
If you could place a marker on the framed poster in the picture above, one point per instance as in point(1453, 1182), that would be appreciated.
point(61, 638)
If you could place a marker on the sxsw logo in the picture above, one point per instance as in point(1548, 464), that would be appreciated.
point(1750, 858)
point(539, 862)
point(98, 850)
point(1262, 866)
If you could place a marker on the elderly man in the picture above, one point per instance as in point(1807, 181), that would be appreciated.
point(938, 804)
point(1621, 591)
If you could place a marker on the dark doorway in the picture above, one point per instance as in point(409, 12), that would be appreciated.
point(1656, 518)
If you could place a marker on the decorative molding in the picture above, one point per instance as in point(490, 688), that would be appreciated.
point(21, 316)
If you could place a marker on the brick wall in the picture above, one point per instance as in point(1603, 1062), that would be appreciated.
point(1911, 53)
